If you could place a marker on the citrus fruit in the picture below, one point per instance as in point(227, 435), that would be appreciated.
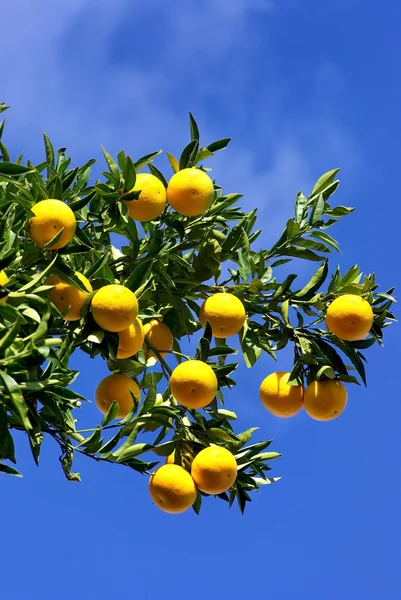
point(214, 470)
point(114, 307)
point(325, 400)
point(3, 281)
point(349, 317)
point(159, 335)
point(50, 217)
point(193, 384)
point(130, 340)
point(225, 313)
point(66, 296)
point(117, 387)
point(190, 192)
point(172, 489)
point(280, 398)
point(151, 201)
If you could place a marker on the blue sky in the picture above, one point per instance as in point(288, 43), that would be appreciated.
point(301, 87)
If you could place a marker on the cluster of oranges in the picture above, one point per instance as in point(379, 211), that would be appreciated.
point(193, 383)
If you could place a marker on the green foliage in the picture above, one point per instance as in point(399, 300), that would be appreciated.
point(172, 264)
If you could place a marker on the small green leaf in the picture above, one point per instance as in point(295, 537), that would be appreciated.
point(49, 153)
point(111, 413)
point(17, 399)
point(219, 145)
point(324, 182)
point(315, 282)
point(300, 207)
point(188, 154)
point(317, 209)
point(8, 168)
point(129, 175)
point(173, 162)
point(9, 470)
point(112, 166)
point(193, 128)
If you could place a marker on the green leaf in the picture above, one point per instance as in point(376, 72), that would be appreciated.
point(324, 182)
point(17, 399)
point(198, 502)
point(111, 413)
point(317, 209)
point(304, 253)
point(129, 175)
point(219, 145)
point(173, 162)
point(9, 168)
point(139, 275)
point(145, 160)
point(49, 153)
point(193, 128)
point(188, 154)
point(284, 312)
point(222, 351)
point(35, 280)
point(300, 207)
point(132, 451)
point(202, 154)
point(340, 211)
point(3, 149)
point(158, 174)
point(9, 470)
point(112, 166)
point(9, 336)
point(244, 266)
point(7, 449)
point(315, 282)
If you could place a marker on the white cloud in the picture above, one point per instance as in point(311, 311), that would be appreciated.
point(63, 75)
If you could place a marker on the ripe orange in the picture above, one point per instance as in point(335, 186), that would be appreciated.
point(119, 388)
point(190, 192)
point(325, 400)
point(151, 201)
point(172, 489)
point(349, 317)
point(130, 340)
point(214, 470)
point(3, 281)
point(114, 307)
point(160, 336)
point(280, 398)
point(65, 296)
point(193, 384)
point(225, 313)
point(50, 217)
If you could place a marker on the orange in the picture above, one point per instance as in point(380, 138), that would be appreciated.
point(190, 192)
point(160, 336)
point(280, 398)
point(349, 317)
point(151, 201)
point(214, 470)
point(3, 281)
point(67, 297)
point(117, 387)
point(325, 400)
point(130, 340)
point(50, 217)
point(193, 384)
point(225, 313)
point(114, 307)
point(172, 489)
